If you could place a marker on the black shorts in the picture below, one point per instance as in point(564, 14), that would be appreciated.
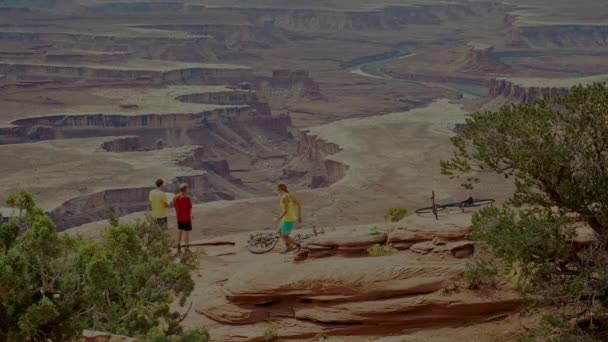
point(162, 222)
point(187, 226)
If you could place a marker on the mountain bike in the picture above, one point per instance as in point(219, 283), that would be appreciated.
point(467, 203)
point(263, 242)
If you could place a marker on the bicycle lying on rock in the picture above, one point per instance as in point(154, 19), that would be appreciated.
point(263, 242)
point(467, 203)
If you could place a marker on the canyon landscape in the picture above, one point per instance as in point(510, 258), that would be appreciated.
point(351, 103)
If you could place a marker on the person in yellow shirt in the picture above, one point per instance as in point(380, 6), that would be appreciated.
point(290, 213)
point(159, 204)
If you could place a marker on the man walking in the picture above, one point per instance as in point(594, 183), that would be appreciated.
point(159, 204)
point(290, 213)
point(183, 209)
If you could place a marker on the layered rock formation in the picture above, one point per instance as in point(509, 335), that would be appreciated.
point(389, 17)
point(354, 296)
point(188, 48)
point(286, 84)
point(482, 60)
point(127, 144)
point(450, 242)
point(312, 165)
point(560, 36)
point(511, 92)
point(129, 75)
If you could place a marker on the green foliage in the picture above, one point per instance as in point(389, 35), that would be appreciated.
point(525, 238)
point(395, 214)
point(8, 234)
point(479, 272)
point(22, 201)
point(556, 152)
point(112, 215)
point(378, 250)
point(57, 285)
point(555, 329)
point(157, 335)
point(373, 229)
point(270, 334)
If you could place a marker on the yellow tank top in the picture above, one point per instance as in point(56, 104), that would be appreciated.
point(290, 216)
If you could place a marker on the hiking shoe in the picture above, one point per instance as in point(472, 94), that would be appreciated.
point(287, 249)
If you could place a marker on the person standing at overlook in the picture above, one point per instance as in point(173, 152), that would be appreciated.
point(159, 204)
point(183, 210)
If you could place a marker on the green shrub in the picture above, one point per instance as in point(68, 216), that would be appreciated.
point(395, 214)
point(112, 215)
point(270, 334)
point(380, 250)
point(56, 285)
point(479, 272)
point(555, 151)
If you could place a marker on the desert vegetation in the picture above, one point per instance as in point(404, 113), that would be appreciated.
point(54, 286)
point(556, 152)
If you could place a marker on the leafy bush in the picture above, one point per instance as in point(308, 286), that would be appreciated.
point(556, 152)
point(112, 215)
point(479, 272)
point(271, 334)
point(54, 286)
point(380, 250)
point(395, 214)
point(555, 329)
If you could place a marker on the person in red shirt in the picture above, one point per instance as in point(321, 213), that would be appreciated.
point(183, 209)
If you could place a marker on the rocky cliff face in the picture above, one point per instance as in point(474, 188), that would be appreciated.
point(551, 36)
point(311, 164)
point(288, 84)
point(196, 75)
point(386, 18)
point(184, 48)
point(482, 60)
point(221, 98)
point(510, 92)
point(128, 144)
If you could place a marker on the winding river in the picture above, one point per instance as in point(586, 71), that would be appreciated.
point(371, 66)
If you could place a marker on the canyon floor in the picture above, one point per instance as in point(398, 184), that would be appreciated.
point(352, 103)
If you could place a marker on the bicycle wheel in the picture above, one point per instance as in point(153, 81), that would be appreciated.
point(479, 202)
point(261, 243)
point(429, 209)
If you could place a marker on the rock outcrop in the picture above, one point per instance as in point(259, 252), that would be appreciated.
point(362, 296)
point(127, 144)
point(560, 36)
point(288, 84)
point(510, 92)
point(312, 164)
point(178, 47)
point(482, 60)
point(130, 75)
point(448, 242)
